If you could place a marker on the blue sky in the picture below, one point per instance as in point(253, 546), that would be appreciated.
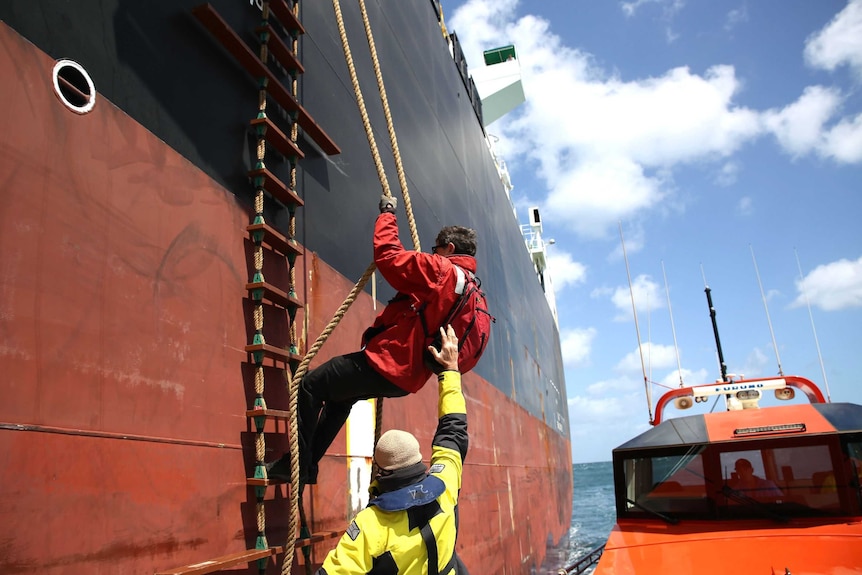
point(711, 132)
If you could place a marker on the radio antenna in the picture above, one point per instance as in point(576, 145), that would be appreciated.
point(637, 329)
point(768, 320)
point(722, 366)
point(672, 328)
point(811, 317)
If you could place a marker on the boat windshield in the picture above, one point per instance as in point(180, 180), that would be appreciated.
point(813, 476)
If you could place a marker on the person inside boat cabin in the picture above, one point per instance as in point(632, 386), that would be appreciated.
point(392, 361)
point(745, 481)
point(853, 467)
point(411, 523)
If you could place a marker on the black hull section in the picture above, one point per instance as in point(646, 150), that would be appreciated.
point(158, 64)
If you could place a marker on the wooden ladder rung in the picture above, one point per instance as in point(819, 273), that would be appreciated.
point(258, 482)
point(264, 290)
point(220, 563)
point(268, 413)
point(261, 350)
point(279, 50)
point(247, 556)
point(285, 15)
point(318, 537)
point(276, 187)
point(275, 239)
point(277, 138)
point(212, 21)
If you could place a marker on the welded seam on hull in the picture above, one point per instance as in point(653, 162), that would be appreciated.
point(109, 435)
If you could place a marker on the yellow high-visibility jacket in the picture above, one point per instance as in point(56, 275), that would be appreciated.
point(386, 536)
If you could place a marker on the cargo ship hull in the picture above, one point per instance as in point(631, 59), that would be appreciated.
point(124, 309)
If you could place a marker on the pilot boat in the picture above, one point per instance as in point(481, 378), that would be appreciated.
point(751, 489)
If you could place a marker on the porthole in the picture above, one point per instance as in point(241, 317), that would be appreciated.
point(74, 86)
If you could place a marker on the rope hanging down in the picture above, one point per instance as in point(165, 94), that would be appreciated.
point(292, 385)
point(295, 379)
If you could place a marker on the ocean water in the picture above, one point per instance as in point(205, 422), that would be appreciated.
point(593, 512)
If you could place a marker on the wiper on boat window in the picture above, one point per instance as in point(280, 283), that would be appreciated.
point(762, 508)
point(662, 516)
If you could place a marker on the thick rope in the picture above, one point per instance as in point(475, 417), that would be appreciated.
point(360, 101)
point(396, 153)
point(292, 383)
point(295, 380)
point(257, 314)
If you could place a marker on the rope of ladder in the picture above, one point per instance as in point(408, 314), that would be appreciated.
point(292, 382)
point(259, 383)
point(396, 153)
point(257, 314)
point(295, 379)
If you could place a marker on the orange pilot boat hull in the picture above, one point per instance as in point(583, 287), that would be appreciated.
point(731, 549)
point(772, 490)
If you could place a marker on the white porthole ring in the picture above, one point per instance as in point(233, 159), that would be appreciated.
point(73, 86)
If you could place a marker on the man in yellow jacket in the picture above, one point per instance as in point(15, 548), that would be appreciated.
point(410, 526)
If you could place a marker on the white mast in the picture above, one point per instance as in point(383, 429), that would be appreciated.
point(637, 329)
point(811, 317)
point(768, 320)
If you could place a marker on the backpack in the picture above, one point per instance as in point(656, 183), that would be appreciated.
point(470, 319)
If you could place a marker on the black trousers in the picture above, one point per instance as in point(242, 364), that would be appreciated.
point(325, 398)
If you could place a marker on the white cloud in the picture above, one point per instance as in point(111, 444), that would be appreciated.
point(586, 414)
point(689, 378)
point(669, 7)
point(655, 122)
point(591, 196)
point(745, 206)
point(635, 239)
point(843, 142)
point(576, 345)
point(840, 42)
point(601, 407)
point(647, 296)
point(655, 356)
point(623, 384)
point(799, 126)
point(617, 407)
point(564, 270)
point(755, 364)
point(605, 149)
point(833, 286)
point(802, 127)
point(727, 174)
point(773, 293)
point(629, 8)
point(594, 409)
point(603, 146)
point(736, 17)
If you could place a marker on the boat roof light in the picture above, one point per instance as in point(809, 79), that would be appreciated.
point(770, 429)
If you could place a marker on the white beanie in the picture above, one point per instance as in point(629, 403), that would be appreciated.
point(396, 449)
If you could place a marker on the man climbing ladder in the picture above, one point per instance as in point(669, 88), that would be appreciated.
point(390, 362)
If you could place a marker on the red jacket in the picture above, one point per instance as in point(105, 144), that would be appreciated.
point(395, 342)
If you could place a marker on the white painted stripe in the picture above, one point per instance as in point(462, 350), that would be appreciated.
point(360, 451)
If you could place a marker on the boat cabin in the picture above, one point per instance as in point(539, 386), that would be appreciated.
point(777, 463)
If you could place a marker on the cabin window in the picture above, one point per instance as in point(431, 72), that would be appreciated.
point(667, 484)
point(802, 477)
point(852, 461)
point(798, 479)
